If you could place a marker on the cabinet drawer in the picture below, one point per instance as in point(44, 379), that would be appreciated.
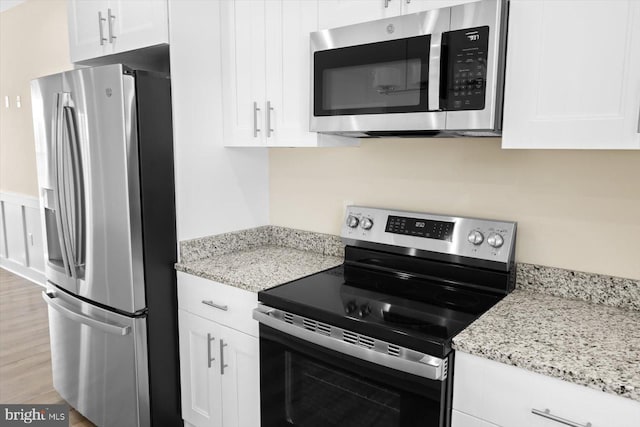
point(506, 395)
point(215, 301)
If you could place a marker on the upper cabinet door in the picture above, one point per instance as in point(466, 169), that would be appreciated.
point(104, 27)
point(413, 6)
point(573, 75)
point(338, 13)
point(288, 73)
point(136, 24)
point(88, 29)
point(242, 26)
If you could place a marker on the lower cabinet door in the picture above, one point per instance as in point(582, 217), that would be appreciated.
point(240, 378)
point(200, 370)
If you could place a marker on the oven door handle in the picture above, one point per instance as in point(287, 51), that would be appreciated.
point(409, 361)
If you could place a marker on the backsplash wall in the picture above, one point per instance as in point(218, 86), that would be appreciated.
point(578, 210)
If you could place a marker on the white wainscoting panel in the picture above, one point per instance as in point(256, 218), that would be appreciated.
point(21, 245)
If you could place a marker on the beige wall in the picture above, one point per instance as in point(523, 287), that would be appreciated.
point(33, 43)
point(575, 209)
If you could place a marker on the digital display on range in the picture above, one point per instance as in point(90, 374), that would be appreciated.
point(439, 230)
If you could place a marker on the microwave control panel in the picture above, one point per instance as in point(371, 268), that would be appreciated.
point(464, 69)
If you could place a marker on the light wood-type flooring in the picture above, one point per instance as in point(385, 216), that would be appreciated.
point(25, 360)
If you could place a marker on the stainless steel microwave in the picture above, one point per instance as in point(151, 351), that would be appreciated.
point(438, 72)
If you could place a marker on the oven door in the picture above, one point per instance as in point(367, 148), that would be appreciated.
point(308, 385)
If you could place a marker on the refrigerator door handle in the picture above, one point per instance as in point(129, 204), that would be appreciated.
point(50, 299)
point(78, 247)
point(60, 205)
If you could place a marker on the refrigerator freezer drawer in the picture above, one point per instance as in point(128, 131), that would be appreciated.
point(99, 361)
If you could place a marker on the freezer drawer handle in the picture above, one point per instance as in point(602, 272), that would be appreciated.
point(49, 298)
point(547, 414)
point(214, 305)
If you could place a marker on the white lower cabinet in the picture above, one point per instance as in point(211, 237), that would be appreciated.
point(219, 365)
point(460, 419)
point(488, 393)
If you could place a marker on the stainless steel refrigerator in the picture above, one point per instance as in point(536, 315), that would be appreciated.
point(105, 170)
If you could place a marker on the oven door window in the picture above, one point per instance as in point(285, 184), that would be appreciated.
point(309, 386)
point(375, 78)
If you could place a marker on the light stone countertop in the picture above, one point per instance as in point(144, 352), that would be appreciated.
point(260, 258)
point(580, 327)
point(261, 267)
point(584, 343)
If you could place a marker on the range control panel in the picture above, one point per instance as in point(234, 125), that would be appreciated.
point(464, 70)
point(431, 229)
point(468, 237)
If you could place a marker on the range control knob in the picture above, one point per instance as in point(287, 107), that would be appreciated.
point(352, 221)
point(365, 310)
point(351, 307)
point(475, 237)
point(366, 223)
point(495, 240)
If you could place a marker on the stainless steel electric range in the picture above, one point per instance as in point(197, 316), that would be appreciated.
point(368, 343)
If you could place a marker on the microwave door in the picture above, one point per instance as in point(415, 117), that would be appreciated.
point(379, 76)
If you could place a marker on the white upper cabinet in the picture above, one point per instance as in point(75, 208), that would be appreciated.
point(104, 27)
point(338, 13)
point(87, 29)
point(414, 6)
point(139, 23)
point(266, 76)
point(288, 71)
point(242, 26)
point(573, 75)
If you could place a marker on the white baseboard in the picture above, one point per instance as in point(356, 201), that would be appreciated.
point(22, 271)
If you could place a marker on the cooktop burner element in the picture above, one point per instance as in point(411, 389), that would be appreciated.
point(412, 279)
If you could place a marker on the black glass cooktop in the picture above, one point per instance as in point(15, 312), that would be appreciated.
point(412, 310)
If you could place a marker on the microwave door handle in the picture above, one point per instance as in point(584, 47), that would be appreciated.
point(78, 188)
point(435, 54)
point(57, 174)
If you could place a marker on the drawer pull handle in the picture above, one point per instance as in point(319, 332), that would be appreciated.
point(547, 414)
point(214, 305)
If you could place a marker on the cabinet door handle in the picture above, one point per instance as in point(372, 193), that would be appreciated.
point(255, 119)
point(386, 3)
point(214, 305)
point(110, 26)
point(100, 21)
point(269, 110)
point(547, 414)
point(408, 1)
point(222, 364)
point(209, 358)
